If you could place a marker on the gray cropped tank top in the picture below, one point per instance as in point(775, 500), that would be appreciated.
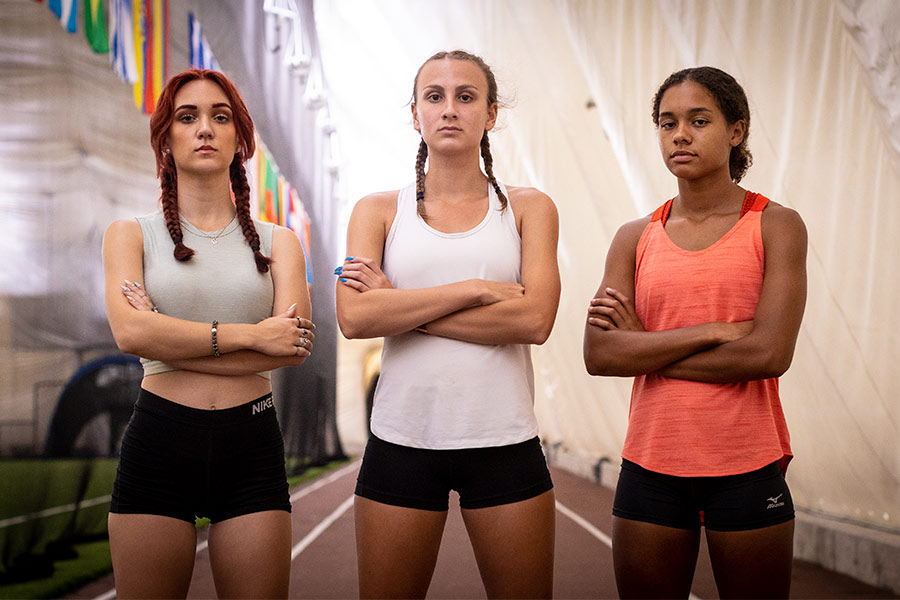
point(220, 281)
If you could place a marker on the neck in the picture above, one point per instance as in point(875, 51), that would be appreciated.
point(708, 194)
point(455, 175)
point(205, 200)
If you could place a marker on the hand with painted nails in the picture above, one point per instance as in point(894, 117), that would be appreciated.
point(137, 296)
point(362, 274)
point(284, 335)
point(614, 310)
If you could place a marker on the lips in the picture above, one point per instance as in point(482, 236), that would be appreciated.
point(205, 149)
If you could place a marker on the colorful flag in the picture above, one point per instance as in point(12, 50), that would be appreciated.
point(121, 34)
point(66, 12)
point(201, 55)
point(139, 35)
point(95, 26)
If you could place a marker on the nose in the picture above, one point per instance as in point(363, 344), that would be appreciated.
point(205, 129)
point(449, 111)
point(681, 135)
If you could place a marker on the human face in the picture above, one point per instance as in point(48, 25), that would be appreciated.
point(694, 136)
point(451, 111)
point(202, 137)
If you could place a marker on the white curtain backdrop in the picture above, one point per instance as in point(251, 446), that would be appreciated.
point(823, 79)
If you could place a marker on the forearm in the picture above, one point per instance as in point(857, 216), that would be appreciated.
point(746, 359)
point(386, 312)
point(160, 337)
point(515, 321)
point(240, 362)
point(626, 353)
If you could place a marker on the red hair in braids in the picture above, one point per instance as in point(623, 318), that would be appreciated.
point(161, 121)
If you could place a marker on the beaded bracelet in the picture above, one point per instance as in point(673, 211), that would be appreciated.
point(215, 341)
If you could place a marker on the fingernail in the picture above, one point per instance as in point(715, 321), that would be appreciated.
point(344, 280)
point(136, 284)
point(124, 289)
point(338, 270)
point(349, 258)
point(292, 306)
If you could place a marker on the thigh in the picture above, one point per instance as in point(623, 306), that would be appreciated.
point(513, 546)
point(653, 561)
point(152, 555)
point(397, 548)
point(251, 555)
point(752, 564)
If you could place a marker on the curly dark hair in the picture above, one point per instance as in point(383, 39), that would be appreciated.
point(732, 101)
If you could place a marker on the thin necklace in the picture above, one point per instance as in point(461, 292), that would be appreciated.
point(212, 237)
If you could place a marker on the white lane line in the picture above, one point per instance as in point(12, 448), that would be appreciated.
point(107, 596)
point(301, 546)
point(594, 531)
point(584, 524)
point(321, 527)
point(323, 482)
point(56, 510)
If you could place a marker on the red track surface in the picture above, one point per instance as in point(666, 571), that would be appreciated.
point(326, 568)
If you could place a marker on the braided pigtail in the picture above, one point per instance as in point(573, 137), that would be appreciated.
point(168, 181)
point(420, 179)
point(241, 190)
point(489, 168)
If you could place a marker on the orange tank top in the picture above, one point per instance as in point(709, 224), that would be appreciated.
point(693, 428)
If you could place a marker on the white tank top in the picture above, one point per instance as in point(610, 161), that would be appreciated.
point(441, 393)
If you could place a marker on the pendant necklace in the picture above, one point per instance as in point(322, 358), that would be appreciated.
point(212, 237)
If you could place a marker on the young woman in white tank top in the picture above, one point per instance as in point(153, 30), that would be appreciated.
point(460, 276)
point(211, 342)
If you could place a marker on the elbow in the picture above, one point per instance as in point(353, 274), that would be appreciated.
point(776, 365)
point(539, 331)
point(352, 327)
point(127, 340)
point(540, 334)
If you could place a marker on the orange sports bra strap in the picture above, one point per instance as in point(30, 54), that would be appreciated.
point(662, 213)
point(753, 201)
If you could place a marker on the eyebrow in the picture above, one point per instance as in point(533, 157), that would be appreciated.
point(194, 106)
point(440, 88)
point(690, 112)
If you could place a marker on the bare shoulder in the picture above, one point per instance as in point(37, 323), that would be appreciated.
point(630, 232)
point(378, 203)
point(526, 200)
point(779, 220)
point(282, 237)
point(123, 231)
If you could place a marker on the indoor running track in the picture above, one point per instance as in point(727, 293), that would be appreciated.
point(324, 551)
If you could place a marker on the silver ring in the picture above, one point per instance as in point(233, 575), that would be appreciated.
point(297, 351)
point(298, 322)
point(303, 342)
point(304, 332)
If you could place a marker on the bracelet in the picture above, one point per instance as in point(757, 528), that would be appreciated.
point(421, 328)
point(215, 341)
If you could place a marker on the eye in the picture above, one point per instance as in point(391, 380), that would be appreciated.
point(222, 118)
point(466, 97)
point(433, 97)
point(186, 117)
point(701, 122)
point(667, 125)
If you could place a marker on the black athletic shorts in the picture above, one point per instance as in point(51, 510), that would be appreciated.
point(420, 478)
point(742, 502)
point(183, 462)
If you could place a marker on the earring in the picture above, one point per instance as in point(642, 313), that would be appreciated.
point(165, 151)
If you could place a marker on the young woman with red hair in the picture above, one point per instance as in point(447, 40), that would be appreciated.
point(229, 304)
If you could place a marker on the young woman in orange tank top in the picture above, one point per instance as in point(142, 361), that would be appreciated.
point(701, 302)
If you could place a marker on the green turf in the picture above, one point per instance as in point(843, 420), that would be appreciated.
point(94, 561)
